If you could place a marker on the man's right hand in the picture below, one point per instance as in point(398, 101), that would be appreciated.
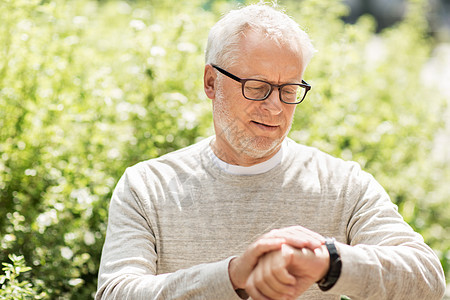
point(241, 267)
point(287, 273)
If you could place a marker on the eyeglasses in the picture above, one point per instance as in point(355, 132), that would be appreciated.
point(259, 90)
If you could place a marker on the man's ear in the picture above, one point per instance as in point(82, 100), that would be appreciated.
point(209, 82)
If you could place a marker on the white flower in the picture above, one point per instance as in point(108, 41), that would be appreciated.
point(137, 24)
point(89, 238)
point(157, 51)
point(66, 252)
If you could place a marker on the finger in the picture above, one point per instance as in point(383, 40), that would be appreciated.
point(253, 291)
point(275, 281)
point(309, 265)
point(260, 247)
point(299, 230)
point(266, 283)
point(321, 251)
point(265, 275)
point(269, 292)
point(298, 241)
point(282, 274)
point(298, 237)
point(303, 254)
point(241, 267)
point(302, 286)
point(260, 291)
point(307, 253)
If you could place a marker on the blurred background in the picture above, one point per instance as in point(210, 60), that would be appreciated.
point(88, 88)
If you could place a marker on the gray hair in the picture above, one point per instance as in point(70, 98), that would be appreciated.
point(224, 38)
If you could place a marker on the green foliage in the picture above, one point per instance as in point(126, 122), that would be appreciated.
point(89, 88)
point(12, 287)
point(85, 91)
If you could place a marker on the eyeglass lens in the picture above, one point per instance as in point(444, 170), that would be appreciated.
point(258, 90)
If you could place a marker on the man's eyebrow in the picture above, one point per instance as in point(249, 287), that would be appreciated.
point(260, 77)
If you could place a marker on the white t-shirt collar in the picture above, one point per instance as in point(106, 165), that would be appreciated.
point(251, 170)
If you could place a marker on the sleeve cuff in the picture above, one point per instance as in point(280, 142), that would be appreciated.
point(351, 258)
point(227, 287)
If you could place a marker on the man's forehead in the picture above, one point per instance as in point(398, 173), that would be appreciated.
point(267, 60)
point(254, 44)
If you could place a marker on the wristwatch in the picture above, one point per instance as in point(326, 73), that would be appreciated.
point(334, 271)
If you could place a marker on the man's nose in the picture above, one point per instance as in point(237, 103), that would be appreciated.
point(273, 103)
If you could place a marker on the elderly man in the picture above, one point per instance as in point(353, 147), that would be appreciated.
point(247, 211)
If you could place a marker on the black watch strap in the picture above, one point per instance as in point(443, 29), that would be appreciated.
point(334, 271)
point(242, 293)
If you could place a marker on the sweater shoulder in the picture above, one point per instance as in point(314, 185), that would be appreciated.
point(314, 159)
point(186, 159)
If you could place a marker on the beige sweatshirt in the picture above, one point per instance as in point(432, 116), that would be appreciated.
point(176, 221)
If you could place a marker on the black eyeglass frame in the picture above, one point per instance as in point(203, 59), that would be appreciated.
point(304, 85)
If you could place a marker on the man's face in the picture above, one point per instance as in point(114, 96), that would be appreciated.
point(249, 132)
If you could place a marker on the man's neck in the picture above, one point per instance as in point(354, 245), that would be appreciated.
point(239, 158)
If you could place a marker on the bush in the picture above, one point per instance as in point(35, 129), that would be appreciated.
point(12, 286)
point(87, 89)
